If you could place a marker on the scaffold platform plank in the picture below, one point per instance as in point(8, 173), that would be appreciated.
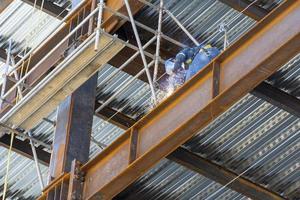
point(61, 82)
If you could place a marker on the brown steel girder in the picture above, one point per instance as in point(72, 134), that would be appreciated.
point(253, 11)
point(4, 4)
point(245, 64)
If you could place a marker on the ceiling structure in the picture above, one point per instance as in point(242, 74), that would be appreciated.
point(255, 139)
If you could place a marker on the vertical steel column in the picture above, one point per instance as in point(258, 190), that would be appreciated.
point(99, 22)
point(37, 166)
point(73, 129)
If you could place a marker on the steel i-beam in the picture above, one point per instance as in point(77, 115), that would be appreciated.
point(238, 70)
point(245, 64)
point(253, 11)
point(4, 4)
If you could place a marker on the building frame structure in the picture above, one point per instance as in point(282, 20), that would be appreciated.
point(136, 150)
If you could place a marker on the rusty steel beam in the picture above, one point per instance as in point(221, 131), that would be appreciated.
point(117, 118)
point(221, 175)
point(181, 156)
point(73, 128)
point(245, 64)
point(4, 4)
point(209, 169)
point(23, 148)
point(278, 98)
point(254, 11)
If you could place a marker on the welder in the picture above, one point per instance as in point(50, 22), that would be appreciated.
point(187, 63)
point(177, 67)
point(201, 59)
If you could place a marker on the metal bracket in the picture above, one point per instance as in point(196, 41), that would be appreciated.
point(76, 181)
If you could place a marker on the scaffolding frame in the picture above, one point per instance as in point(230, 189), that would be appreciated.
point(139, 48)
point(158, 35)
point(220, 88)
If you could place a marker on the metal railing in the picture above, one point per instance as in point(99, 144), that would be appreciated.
point(79, 34)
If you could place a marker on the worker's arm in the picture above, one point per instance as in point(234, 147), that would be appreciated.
point(185, 56)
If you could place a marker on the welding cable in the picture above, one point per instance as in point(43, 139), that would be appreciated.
point(230, 22)
point(223, 27)
point(7, 166)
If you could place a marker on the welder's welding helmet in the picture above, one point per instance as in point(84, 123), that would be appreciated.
point(169, 66)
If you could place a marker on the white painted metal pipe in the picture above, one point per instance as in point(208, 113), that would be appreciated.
point(55, 48)
point(16, 77)
point(9, 129)
point(141, 50)
point(161, 4)
point(147, 28)
point(182, 27)
point(174, 18)
point(5, 72)
point(128, 61)
point(37, 166)
point(99, 22)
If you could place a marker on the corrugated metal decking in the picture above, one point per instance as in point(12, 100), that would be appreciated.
point(229, 89)
point(104, 132)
